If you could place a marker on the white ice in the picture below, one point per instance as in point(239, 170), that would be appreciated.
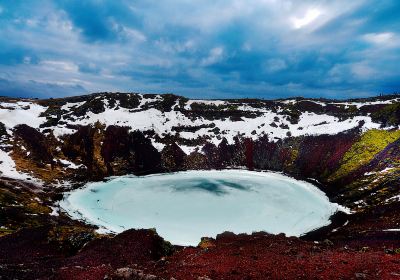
point(185, 206)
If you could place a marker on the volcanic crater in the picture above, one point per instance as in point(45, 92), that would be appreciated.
point(348, 149)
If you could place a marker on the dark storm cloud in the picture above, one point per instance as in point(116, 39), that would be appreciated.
point(235, 48)
point(32, 89)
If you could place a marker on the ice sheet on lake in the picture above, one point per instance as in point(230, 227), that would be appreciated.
point(186, 206)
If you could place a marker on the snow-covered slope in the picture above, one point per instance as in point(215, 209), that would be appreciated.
point(248, 119)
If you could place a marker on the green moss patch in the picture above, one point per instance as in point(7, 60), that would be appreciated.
point(364, 150)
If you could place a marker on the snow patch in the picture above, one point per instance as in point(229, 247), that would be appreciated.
point(55, 211)
point(8, 168)
point(12, 114)
point(70, 164)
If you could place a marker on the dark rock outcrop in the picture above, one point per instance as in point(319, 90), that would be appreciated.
point(172, 157)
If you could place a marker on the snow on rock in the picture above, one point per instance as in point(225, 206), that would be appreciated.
point(55, 211)
point(206, 102)
point(392, 229)
point(386, 170)
point(188, 149)
point(12, 114)
point(158, 146)
point(347, 104)
point(163, 122)
point(8, 168)
point(360, 104)
point(393, 199)
point(70, 164)
point(69, 106)
point(145, 99)
point(313, 124)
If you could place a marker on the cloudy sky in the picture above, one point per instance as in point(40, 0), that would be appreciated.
point(200, 48)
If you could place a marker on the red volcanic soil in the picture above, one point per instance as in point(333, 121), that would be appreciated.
point(142, 254)
point(264, 256)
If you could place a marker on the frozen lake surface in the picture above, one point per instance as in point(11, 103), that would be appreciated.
point(186, 206)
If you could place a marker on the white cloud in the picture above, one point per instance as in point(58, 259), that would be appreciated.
point(127, 32)
point(310, 16)
point(383, 40)
point(27, 60)
point(31, 22)
point(215, 56)
point(135, 34)
point(362, 70)
point(247, 47)
point(58, 65)
point(378, 38)
point(175, 47)
point(275, 65)
point(337, 74)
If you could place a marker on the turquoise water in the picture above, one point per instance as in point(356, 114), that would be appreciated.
point(185, 206)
